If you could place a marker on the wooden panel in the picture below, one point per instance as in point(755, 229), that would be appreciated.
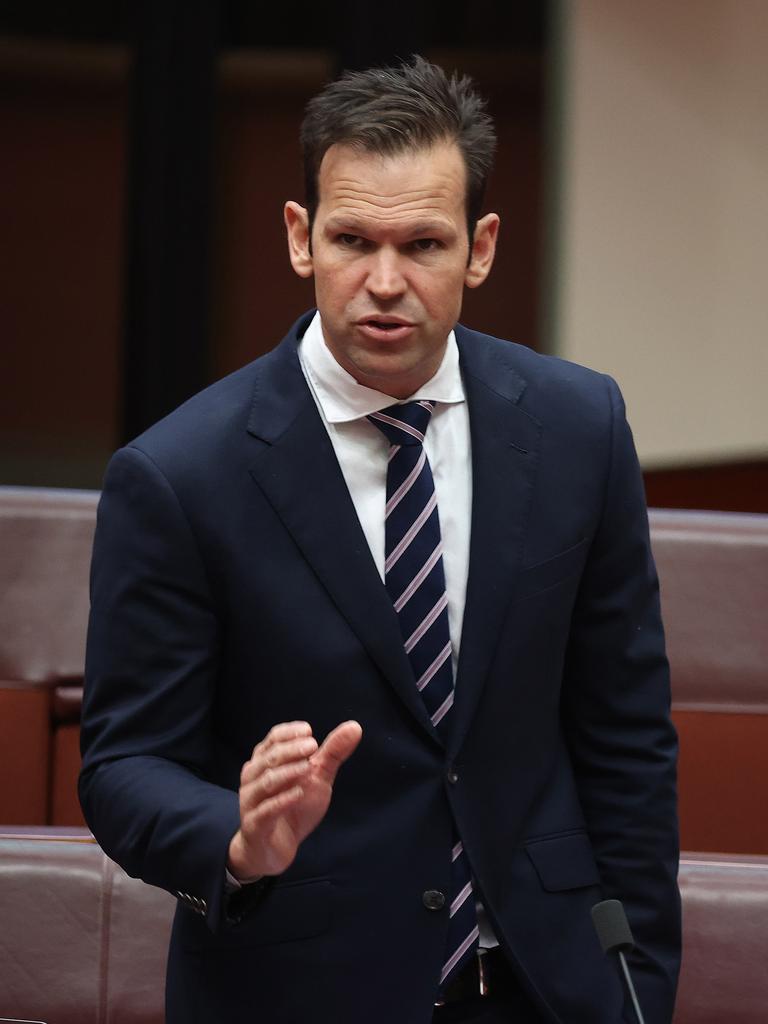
point(65, 806)
point(723, 781)
point(728, 487)
point(24, 756)
point(62, 112)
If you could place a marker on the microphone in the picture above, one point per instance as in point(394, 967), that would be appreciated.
point(615, 936)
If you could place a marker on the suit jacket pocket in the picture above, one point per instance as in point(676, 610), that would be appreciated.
point(285, 913)
point(544, 575)
point(297, 910)
point(564, 862)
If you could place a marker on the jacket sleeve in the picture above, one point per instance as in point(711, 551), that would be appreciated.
point(151, 670)
point(616, 717)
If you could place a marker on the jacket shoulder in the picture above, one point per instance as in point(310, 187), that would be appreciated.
point(217, 410)
point(210, 423)
point(544, 386)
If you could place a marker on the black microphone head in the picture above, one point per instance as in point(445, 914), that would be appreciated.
point(612, 927)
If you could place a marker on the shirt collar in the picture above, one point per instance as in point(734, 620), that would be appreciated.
point(342, 399)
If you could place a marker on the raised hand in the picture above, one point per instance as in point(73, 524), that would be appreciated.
point(285, 791)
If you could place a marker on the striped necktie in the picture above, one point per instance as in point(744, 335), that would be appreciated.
point(414, 578)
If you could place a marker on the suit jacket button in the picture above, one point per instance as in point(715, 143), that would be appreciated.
point(433, 899)
point(452, 775)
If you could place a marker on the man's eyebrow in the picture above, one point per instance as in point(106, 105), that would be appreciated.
point(346, 224)
point(427, 228)
point(419, 229)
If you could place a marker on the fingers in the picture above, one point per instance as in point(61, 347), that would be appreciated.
point(281, 761)
point(285, 789)
point(338, 745)
point(265, 812)
point(260, 847)
point(277, 755)
point(282, 733)
point(284, 743)
point(278, 764)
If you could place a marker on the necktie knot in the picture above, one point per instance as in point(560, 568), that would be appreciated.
point(404, 424)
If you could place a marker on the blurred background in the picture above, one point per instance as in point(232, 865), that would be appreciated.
point(146, 151)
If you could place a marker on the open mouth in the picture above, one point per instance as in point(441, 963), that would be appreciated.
point(390, 330)
point(384, 325)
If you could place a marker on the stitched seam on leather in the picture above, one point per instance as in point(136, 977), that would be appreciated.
point(107, 878)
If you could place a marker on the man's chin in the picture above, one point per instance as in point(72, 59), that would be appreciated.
point(390, 375)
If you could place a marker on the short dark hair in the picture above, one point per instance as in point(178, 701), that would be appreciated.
point(394, 109)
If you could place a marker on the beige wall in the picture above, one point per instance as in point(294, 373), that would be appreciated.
point(662, 275)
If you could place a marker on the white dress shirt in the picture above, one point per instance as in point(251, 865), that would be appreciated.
point(361, 450)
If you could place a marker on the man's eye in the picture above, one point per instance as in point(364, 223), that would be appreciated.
point(426, 244)
point(349, 240)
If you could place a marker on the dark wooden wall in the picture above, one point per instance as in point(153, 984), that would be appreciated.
point(727, 487)
point(64, 131)
point(62, 180)
point(64, 126)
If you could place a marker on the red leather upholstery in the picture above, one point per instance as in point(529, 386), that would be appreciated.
point(725, 940)
point(45, 551)
point(714, 584)
point(81, 942)
point(713, 569)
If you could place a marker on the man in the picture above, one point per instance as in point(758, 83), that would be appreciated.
point(399, 544)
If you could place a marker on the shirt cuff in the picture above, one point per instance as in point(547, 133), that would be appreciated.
point(232, 884)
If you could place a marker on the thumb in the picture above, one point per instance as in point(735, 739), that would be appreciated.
point(337, 746)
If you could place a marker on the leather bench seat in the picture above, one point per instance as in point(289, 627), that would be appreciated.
point(82, 943)
point(713, 571)
point(45, 551)
point(725, 940)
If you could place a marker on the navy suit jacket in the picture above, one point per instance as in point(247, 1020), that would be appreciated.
point(233, 588)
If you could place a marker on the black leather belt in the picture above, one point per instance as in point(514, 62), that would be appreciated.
point(486, 974)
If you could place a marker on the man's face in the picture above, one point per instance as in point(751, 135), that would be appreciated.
point(389, 256)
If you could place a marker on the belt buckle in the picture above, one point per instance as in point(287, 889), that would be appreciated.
point(483, 977)
point(482, 972)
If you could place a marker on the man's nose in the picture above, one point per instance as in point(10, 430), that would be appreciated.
point(385, 277)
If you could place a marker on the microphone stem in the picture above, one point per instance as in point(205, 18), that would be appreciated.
point(631, 989)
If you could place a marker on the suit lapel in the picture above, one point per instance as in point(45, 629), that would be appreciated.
point(505, 451)
point(299, 474)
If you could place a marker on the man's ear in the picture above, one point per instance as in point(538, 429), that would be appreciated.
point(483, 250)
point(297, 226)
